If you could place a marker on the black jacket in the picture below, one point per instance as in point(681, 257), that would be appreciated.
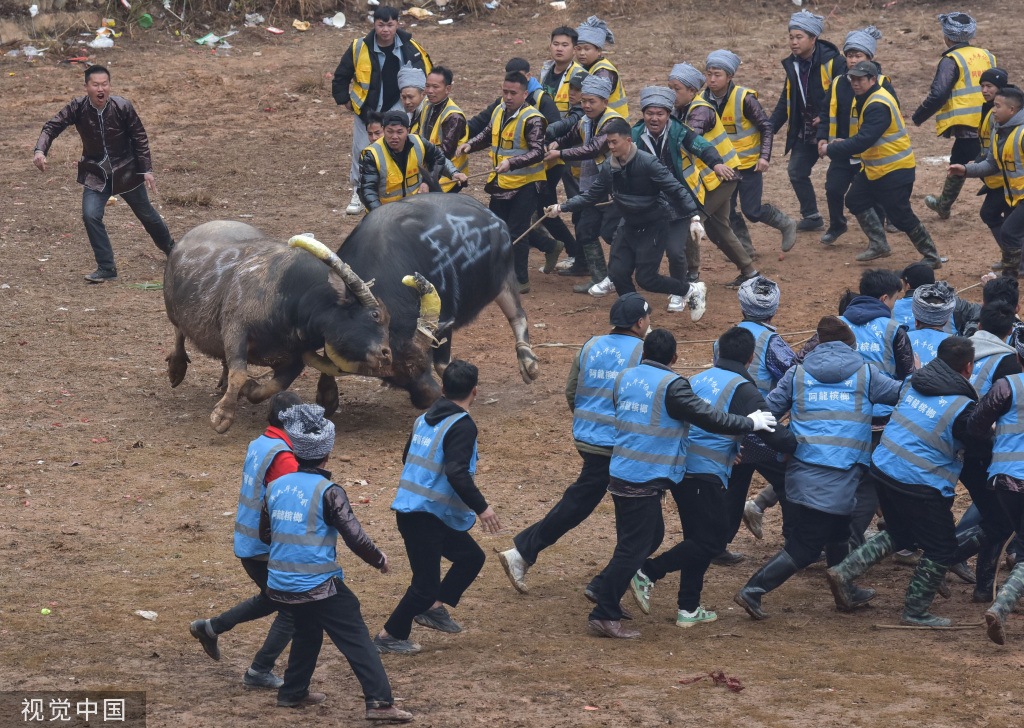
point(823, 53)
point(369, 175)
point(459, 443)
point(343, 75)
point(547, 107)
point(844, 102)
point(874, 121)
point(563, 126)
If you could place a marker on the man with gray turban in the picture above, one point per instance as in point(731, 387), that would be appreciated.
point(810, 68)
point(713, 187)
point(750, 132)
point(591, 37)
point(955, 100)
point(301, 517)
point(412, 87)
point(933, 306)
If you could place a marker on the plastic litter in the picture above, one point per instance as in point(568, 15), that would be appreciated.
point(492, 6)
point(101, 42)
point(418, 13)
point(44, 611)
point(109, 22)
point(275, 31)
point(145, 614)
point(30, 51)
point(33, 10)
point(146, 20)
point(208, 39)
point(558, 4)
point(300, 25)
point(449, 21)
point(338, 21)
point(373, 3)
point(253, 19)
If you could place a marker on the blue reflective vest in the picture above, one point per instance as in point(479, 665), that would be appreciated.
point(649, 444)
point(602, 358)
point(903, 313)
point(707, 453)
point(832, 420)
point(1008, 448)
point(984, 368)
point(926, 343)
point(758, 369)
point(261, 454)
point(302, 545)
point(424, 486)
point(917, 445)
point(874, 343)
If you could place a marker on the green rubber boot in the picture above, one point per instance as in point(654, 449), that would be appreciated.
point(925, 246)
point(927, 578)
point(950, 191)
point(840, 577)
point(995, 617)
point(878, 246)
point(598, 268)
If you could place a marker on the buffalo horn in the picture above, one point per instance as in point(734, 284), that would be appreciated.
point(321, 251)
point(430, 304)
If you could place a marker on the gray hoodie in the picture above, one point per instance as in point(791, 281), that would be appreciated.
point(988, 165)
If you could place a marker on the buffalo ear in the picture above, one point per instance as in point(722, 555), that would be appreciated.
point(342, 291)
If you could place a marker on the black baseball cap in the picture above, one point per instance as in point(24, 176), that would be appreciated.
point(863, 68)
point(629, 309)
point(576, 79)
point(396, 118)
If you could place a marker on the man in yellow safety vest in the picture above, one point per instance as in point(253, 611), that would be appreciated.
point(443, 124)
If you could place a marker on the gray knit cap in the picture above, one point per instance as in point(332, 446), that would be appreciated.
point(312, 434)
point(597, 86)
point(594, 31)
point(687, 74)
point(808, 22)
point(411, 77)
point(938, 313)
point(658, 96)
point(722, 59)
point(759, 298)
point(958, 27)
point(865, 40)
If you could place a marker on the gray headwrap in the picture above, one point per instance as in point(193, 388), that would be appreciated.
point(312, 434)
point(1017, 340)
point(808, 22)
point(596, 86)
point(724, 60)
point(863, 40)
point(685, 73)
point(759, 298)
point(658, 96)
point(934, 314)
point(410, 76)
point(594, 31)
point(959, 27)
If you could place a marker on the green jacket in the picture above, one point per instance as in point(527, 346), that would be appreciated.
point(680, 136)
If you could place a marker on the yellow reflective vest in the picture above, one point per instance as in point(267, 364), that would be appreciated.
point(394, 182)
point(1007, 152)
point(617, 101)
point(826, 82)
point(892, 150)
point(963, 107)
point(718, 139)
point(562, 92)
point(361, 53)
point(585, 126)
point(993, 181)
point(744, 135)
point(509, 141)
point(461, 161)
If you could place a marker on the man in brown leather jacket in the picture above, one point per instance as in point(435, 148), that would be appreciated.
point(115, 161)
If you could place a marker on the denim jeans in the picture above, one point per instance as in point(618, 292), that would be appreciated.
point(94, 204)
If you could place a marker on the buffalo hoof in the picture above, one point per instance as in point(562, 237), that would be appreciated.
point(327, 394)
point(176, 368)
point(221, 420)
point(529, 367)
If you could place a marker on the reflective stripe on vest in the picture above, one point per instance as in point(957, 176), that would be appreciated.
point(892, 150)
point(423, 486)
point(510, 141)
point(361, 53)
point(963, 107)
point(1008, 157)
point(833, 114)
point(744, 135)
point(718, 139)
point(600, 362)
point(707, 453)
point(832, 420)
point(461, 161)
point(302, 545)
point(260, 455)
point(562, 92)
point(984, 368)
point(874, 343)
point(986, 135)
point(917, 445)
point(617, 99)
point(926, 343)
point(758, 369)
point(395, 183)
point(1008, 448)
point(691, 173)
point(649, 444)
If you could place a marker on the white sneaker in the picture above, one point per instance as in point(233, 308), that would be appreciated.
point(515, 568)
point(355, 205)
point(565, 264)
point(599, 290)
point(696, 299)
point(676, 303)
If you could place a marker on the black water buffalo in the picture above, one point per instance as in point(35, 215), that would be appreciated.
point(246, 298)
point(464, 250)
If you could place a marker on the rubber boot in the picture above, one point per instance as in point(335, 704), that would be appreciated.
point(776, 218)
point(923, 242)
point(921, 593)
point(969, 543)
point(840, 577)
point(985, 572)
point(878, 246)
point(598, 268)
point(995, 617)
point(950, 191)
point(742, 232)
point(770, 576)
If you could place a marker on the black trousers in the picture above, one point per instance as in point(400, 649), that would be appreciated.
point(994, 211)
point(676, 235)
point(838, 179)
point(702, 514)
point(554, 225)
point(802, 158)
point(922, 521)
point(258, 607)
point(641, 249)
point(812, 530)
point(517, 212)
point(577, 503)
point(891, 192)
point(739, 488)
point(339, 616)
point(595, 223)
point(974, 476)
point(639, 528)
point(965, 150)
point(1012, 504)
point(748, 193)
point(427, 541)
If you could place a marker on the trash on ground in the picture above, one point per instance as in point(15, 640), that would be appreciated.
point(719, 678)
point(253, 19)
point(145, 20)
point(33, 10)
point(145, 614)
point(448, 21)
point(418, 13)
point(275, 31)
point(300, 25)
point(208, 39)
point(338, 21)
point(101, 42)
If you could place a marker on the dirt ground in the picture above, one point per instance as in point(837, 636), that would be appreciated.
point(117, 495)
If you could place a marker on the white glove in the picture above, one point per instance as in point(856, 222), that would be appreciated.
point(762, 420)
point(552, 211)
point(696, 229)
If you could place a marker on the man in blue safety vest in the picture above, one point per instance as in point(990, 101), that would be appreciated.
point(437, 503)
